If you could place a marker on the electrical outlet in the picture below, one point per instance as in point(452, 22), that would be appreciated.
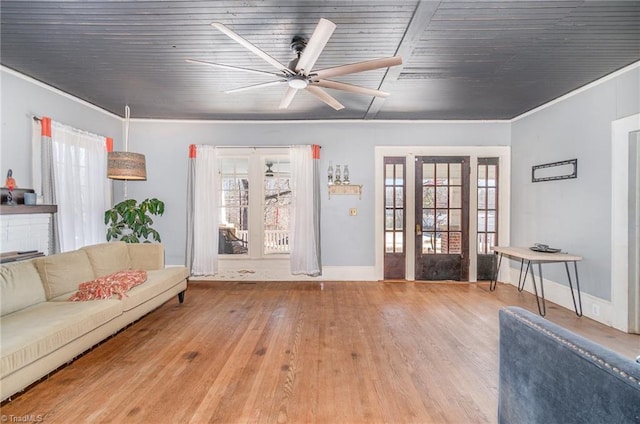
point(353, 212)
point(595, 310)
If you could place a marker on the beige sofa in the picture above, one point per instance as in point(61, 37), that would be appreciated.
point(40, 330)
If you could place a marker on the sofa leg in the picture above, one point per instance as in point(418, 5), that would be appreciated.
point(181, 296)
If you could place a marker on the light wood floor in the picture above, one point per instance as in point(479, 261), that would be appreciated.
point(340, 352)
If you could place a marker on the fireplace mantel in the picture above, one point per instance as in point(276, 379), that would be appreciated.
point(27, 209)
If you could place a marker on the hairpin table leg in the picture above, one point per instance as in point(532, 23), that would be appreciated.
point(575, 305)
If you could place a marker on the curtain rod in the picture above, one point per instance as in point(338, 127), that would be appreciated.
point(251, 147)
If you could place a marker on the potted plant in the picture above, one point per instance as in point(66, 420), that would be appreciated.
point(131, 222)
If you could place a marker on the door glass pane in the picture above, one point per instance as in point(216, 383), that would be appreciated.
point(491, 175)
point(482, 221)
point(491, 242)
point(491, 198)
point(428, 195)
point(399, 244)
point(442, 218)
point(482, 198)
point(428, 220)
point(455, 174)
point(481, 244)
point(388, 220)
point(399, 197)
point(482, 175)
point(455, 220)
point(455, 242)
point(399, 175)
point(442, 173)
point(388, 197)
point(428, 174)
point(442, 197)
point(491, 221)
point(455, 197)
point(442, 241)
point(388, 174)
point(428, 243)
point(399, 219)
point(388, 242)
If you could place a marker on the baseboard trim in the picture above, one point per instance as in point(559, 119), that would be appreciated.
point(592, 307)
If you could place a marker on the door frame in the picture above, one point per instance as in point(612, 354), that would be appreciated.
point(410, 152)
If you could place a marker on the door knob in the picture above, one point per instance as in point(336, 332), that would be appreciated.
point(418, 229)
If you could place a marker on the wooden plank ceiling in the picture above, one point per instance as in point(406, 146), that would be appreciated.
point(462, 60)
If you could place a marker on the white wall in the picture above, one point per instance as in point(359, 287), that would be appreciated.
point(575, 214)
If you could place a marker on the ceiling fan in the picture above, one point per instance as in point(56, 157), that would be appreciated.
point(299, 74)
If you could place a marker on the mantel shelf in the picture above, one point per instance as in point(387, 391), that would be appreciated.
point(352, 189)
point(27, 209)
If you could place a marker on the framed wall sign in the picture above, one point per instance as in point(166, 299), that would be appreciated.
point(562, 170)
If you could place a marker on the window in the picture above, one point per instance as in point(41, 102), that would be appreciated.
point(277, 201)
point(487, 205)
point(255, 197)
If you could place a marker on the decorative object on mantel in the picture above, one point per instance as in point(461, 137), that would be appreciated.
point(10, 184)
point(126, 165)
point(352, 189)
point(131, 222)
point(562, 170)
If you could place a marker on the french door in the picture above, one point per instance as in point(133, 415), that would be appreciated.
point(394, 217)
point(442, 217)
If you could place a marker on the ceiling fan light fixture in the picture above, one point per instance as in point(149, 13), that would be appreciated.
point(298, 82)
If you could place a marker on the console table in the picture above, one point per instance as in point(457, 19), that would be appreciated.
point(527, 255)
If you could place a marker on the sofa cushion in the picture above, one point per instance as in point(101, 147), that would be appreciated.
point(20, 286)
point(61, 273)
point(34, 332)
point(107, 258)
point(146, 256)
point(158, 281)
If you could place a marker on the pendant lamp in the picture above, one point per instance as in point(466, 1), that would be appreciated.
point(126, 165)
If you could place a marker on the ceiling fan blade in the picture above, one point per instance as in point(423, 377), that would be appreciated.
point(246, 44)
point(314, 47)
point(287, 98)
point(236, 68)
point(325, 97)
point(352, 68)
point(251, 87)
point(350, 88)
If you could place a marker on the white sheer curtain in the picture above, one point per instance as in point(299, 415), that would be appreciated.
point(82, 189)
point(304, 231)
point(202, 248)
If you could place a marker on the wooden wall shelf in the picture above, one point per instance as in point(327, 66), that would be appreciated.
point(352, 189)
point(27, 209)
